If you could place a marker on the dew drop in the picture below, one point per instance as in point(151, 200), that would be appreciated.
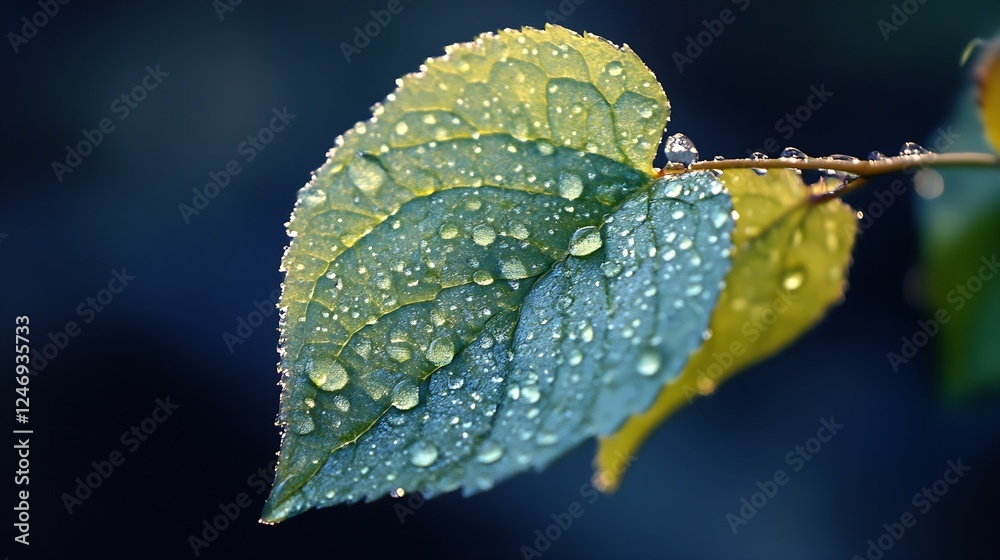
point(546, 438)
point(759, 156)
point(328, 375)
point(448, 231)
point(570, 186)
point(482, 278)
point(614, 68)
point(513, 269)
point(406, 394)
point(611, 268)
point(441, 351)
point(876, 155)
point(518, 231)
point(793, 279)
point(423, 454)
point(367, 175)
point(649, 362)
point(489, 453)
point(793, 153)
point(402, 128)
point(531, 393)
point(342, 403)
point(912, 149)
point(483, 234)
point(680, 149)
point(585, 241)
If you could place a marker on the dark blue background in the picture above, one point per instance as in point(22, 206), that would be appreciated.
point(162, 336)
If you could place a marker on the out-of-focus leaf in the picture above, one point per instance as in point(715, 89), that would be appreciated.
point(486, 273)
point(961, 240)
point(789, 266)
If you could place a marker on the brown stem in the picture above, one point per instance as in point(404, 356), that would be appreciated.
point(861, 167)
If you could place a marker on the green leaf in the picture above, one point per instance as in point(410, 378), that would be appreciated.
point(486, 273)
point(789, 266)
point(959, 242)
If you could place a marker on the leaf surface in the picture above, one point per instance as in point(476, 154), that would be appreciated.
point(789, 266)
point(486, 273)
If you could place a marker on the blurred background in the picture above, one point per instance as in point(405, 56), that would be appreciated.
point(214, 73)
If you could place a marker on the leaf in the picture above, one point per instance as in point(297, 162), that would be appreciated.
point(959, 236)
point(486, 273)
point(789, 266)
point(988, 76)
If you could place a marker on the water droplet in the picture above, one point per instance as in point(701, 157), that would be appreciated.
point(489, 453)
point(399, 353)
point(680, 149)
point(840, 174)
point(513, 269)
point(793, 153)
point(611, 268)
point(531, 393)
point(876, 155)
point(575, 357)
point(518, 231)
point(793, 279)
point(441, 351)
point(401, 128)
point(456, 383)
point(614, 68)
point(483, 234)
point(423, 454)
point(649, 362)
point(912, 149)
point(342, 403)
point(328, 375)
point(570, 186)
point(759, 156)
point(366, 174)
point(448, 231)
point(482, 278)
point(585, 241)
point(406, 394)
point(546, 438)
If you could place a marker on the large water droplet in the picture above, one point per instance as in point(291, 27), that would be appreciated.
point(585, 241)
point(483, 234)
point(489, 453)
point(406, 394)
point(482, 278)
point(793, 153)
point(441, 351)
point(912, 149)
point(570, 186)
point(614, 68)
point(649, 362)
point(328, 374)
point(794, 278)
point(423, 454)
point(876, 155)
point(366, 174)
point(448, 231)
point(759, 156)
point(513, 269)
point(680, 149)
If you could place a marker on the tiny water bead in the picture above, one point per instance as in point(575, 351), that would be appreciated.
point(793, 153)
point(876, 155)
point(912, 149)
point(489, 453)
point(649, 362)
point(423, 454)
point(585, 241)
point(441, 351)
point(570, 186)
point(793, 279)
point(759, 156)
point(406, 394)
point(482, 278)
point(483, 234)
point(680, 149)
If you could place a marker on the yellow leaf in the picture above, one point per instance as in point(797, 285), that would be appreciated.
point(790, 259)
point(988, 76)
